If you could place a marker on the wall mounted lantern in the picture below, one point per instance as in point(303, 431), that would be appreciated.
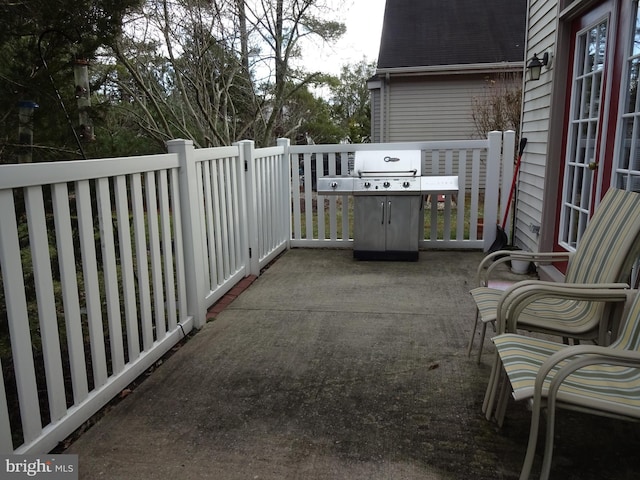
point(535, 65)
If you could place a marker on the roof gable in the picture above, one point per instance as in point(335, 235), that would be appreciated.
point(426, 33)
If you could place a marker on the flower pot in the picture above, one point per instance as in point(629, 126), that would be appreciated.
point(520, 266)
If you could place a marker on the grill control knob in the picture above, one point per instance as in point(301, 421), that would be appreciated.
point(367, 184)
point(405, 184)
point(334, 184)
point(386, 184)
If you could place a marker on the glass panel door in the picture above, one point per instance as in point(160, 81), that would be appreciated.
point(582, 150)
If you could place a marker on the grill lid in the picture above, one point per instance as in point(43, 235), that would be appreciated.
point(387, 163)
point(382, 172)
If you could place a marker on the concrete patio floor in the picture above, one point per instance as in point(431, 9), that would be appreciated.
point(330, 368)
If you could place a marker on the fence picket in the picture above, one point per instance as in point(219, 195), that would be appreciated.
point(127, 268)
point(47, 312)
point(155, 257)
point(208, 184)
point(215, 221)
point(238, 231)
point(475, 194)
point(110, 272)
point(23, 366)
point(167, 250)
point(6, 436)
point(140, 240)
point(91, 282)
point(69, 287)
point(178, 248)
point(461, 200)
point(224, 222)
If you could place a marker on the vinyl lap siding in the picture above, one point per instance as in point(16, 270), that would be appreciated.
point(426, 108)
point(375, 115)
point(541, 37)
point(433, 108)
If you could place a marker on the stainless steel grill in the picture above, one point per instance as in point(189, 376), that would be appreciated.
point(388, 190)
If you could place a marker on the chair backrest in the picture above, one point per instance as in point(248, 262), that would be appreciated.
point(629, 337)
point(610, 243)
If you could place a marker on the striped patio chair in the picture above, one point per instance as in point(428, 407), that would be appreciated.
point(606, 252)
point(589, 378)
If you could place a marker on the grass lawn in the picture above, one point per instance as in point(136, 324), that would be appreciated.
point(441, 212)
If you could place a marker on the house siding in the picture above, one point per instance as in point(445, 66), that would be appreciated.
point(427, 108)
point(436, 108)
point(376, 112)
point(537, 102)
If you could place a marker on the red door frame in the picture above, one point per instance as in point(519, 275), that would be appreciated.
point(607, 117)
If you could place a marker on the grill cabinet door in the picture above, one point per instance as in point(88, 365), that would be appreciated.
point(369, 222)
point(403, 216)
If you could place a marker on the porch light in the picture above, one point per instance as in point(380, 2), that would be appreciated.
point(535, 65)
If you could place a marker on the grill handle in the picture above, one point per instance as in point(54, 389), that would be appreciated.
point(382, 213)
point(413, 172)
point(389, 213)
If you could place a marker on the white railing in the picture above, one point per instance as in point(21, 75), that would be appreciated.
point(270, 199)
point(238, 216)
point(455, 222)
point(106, 264)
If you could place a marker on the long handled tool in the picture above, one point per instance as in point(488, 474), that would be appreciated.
point(502, 240)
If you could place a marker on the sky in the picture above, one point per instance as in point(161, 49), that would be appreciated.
point(363, 19)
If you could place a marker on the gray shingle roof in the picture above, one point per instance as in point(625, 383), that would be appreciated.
point(450, 32)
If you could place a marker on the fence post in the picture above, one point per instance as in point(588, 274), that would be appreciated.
point(285, 143)
point(191, 230)
point(247, 148)
point(508, 149)
point(491, 188)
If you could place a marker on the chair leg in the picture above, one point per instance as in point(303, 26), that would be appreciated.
point(533, 440)
point(548, 443)
point(473, 334)
point(496, 378)
point(482, 337)
point(503, 401)
point(487, 394)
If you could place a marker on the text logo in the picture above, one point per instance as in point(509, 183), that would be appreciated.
point(50, 467)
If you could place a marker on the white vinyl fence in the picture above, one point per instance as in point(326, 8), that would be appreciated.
point(455, 222)
point(106, 264)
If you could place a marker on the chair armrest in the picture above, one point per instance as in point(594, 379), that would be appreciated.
point(491, 261)
point(519, 296)
point(580, 356)
point(576, 357)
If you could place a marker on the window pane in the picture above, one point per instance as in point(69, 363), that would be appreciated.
point(635, 50)
point(590, 61)
point(628, 161)
point(627, 137)
point(632, 96)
